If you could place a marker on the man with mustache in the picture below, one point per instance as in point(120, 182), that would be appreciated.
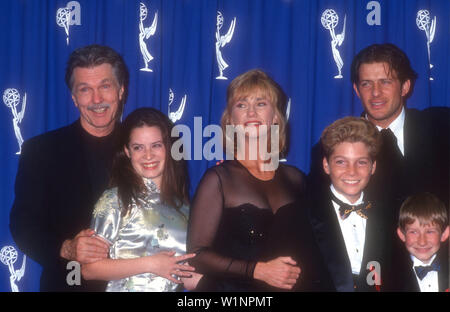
point(62, 173)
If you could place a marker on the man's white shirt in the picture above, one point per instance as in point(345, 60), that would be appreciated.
point(397, 128)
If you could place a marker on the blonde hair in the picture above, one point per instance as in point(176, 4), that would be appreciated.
point(424, 207)
point(351, 129)
point(255, 81)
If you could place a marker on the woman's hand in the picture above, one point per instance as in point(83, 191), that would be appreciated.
point(190, 283)
point(281, 272)
point(166, 264)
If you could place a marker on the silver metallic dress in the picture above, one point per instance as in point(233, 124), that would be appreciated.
point(144, 231)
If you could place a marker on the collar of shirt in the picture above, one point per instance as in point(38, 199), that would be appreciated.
point(417, 262)
point(397, 128)
point(345, 200)
point(430, 282)
point(151, 186)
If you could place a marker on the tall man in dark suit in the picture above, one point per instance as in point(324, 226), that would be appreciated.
point(414, 156)
point(62, 173)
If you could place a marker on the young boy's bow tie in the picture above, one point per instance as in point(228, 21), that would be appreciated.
point(345, 209)
point(422, 271)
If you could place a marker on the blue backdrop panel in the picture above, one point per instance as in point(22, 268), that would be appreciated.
point(305, 45)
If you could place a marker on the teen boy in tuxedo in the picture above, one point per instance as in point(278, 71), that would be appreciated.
point(353, 233)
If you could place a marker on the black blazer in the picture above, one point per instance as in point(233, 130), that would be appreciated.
point(54, 201)
point(379, 232)
point(425, 165)
point(406, 280)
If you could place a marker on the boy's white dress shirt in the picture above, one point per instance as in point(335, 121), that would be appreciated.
point(353, 230)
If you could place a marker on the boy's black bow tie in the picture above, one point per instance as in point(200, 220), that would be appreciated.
point(422, 271)
point(345, 209)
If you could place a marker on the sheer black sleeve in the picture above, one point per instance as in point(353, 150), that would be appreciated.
point(205, 217)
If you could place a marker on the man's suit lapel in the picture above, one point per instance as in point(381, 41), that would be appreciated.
point(414, 137)
point(331, 242)
point(408, 133)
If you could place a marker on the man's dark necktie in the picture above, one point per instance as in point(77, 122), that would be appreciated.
point(390, 154)
point(345, 209)
point(422, 271)
point(389, 178)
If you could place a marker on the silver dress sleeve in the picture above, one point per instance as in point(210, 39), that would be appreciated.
point(106, 216)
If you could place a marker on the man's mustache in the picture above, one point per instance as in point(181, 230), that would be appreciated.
point(98, 106)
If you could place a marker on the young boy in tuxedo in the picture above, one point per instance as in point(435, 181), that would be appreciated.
point(352, 232)
point(423, 228)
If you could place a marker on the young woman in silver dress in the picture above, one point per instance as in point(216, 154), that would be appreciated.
point(144, 216)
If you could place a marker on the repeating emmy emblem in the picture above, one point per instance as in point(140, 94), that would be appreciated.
point(67, 16)
point(288, 112)
point(329, 20)
point(424, 22)
point(176, 115)
point(221, 41)
point(288, 109)
point(11, 98)
point(8, 256)
point(145, 33)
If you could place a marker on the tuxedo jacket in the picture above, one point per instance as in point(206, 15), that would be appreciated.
point(328, 235)
point(54, 200)
point(405, 278)
point(425, 165)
